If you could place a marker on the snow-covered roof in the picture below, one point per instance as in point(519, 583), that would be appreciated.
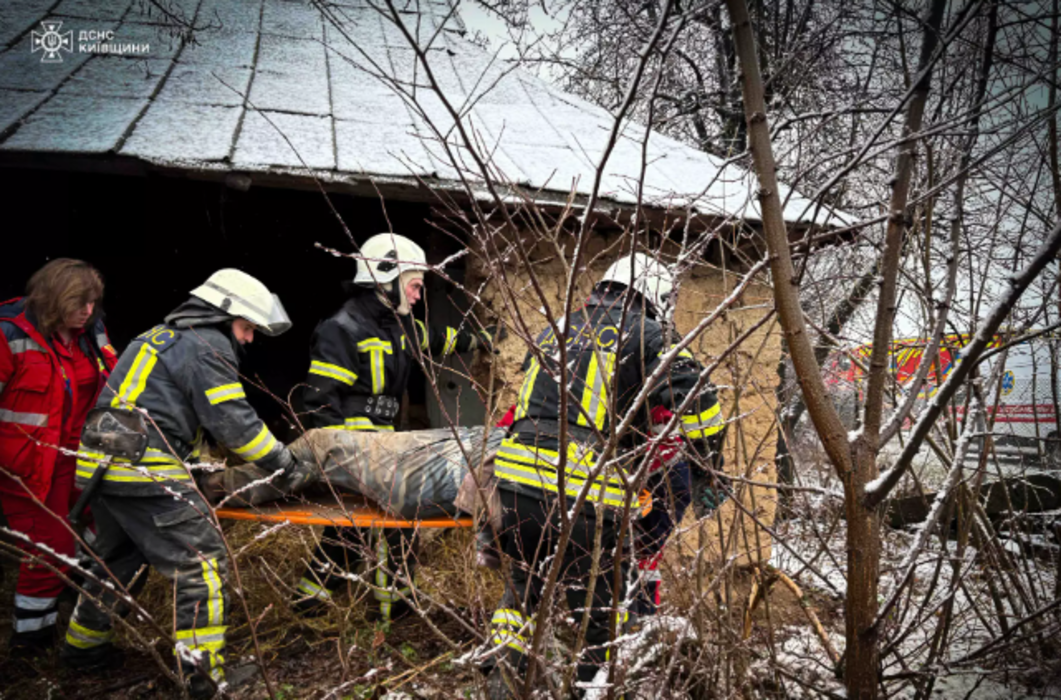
point(271, 85)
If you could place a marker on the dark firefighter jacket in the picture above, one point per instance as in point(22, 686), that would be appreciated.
point(33, 393)
point(360, 360)
point(604, 355)
point(185, 376)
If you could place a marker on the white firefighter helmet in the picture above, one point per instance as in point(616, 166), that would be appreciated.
point(385, 256)
point(237, 293)
point(649, 277)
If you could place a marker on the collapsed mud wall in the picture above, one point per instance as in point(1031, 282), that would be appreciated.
point(747, 378)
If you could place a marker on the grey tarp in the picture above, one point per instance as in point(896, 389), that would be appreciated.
point(414, 475)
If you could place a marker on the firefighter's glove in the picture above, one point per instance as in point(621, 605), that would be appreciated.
point(296, 475)
point(490, 337)
point(710, 490)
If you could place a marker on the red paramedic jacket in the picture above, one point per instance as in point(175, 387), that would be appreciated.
point(33, 397)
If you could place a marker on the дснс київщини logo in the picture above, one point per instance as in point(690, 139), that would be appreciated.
point(51, 42)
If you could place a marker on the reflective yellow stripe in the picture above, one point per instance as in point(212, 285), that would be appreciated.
point(425, 340)
point(157, 464)
point(684, 352)
point(339, 374)
point(451, 341)
point(210, 640)
point(215, 601)
point(595, 393)
point(262, 444)
point(537, 467)
point(376, 347)
point(225, 392)
point(135, 381)
point(362, 423)
point(84, 638)
point(526, 390)
point(704, 424)
point(313, 590)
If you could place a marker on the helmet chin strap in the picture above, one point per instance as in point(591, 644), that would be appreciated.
point(393, 297)
point(393, 293)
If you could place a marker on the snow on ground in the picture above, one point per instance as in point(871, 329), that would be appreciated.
point(811, 549)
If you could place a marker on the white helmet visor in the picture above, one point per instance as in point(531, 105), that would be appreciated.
point(278, 321)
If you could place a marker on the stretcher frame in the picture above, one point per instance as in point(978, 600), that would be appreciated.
point(352, 511)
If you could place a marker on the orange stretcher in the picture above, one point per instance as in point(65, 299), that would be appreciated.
point(352, 511)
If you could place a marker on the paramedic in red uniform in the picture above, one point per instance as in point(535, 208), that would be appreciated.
point(55, 358)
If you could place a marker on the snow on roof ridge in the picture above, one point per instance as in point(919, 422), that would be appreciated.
point(337, 120)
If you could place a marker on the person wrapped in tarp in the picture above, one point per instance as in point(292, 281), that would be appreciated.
point(413, 475)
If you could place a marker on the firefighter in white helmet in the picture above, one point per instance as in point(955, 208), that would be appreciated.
point(184, 374)
point(360, 361)
point(613, 346)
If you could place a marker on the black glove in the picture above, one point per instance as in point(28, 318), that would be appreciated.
point(491, 336)
point(710, 490)
point(295, 475)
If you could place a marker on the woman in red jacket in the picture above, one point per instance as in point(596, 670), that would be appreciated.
point(55, 358)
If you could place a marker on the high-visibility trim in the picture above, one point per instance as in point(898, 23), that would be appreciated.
point(451, 341)
point(595, 393)
point(22, 345)
point(704, 424)
point(425, 339)
point(37, 420)
point(512, 619)
point(339, 374)
point(525, 391)
point(210, 640)
point(215, 601)
point(538, 468)
point(684, 352)
point(363, 423)
point(83, 638)
point(225, 392)
point(376, 348)
point(27, 602)
point(262, 444)
point(312, 590)
point(35, 624)
point(157, 464)
point(136, 379)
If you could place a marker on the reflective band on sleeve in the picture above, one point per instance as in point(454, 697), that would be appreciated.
point(83, 638)
point(339, 374)
point(215, 602)
point(376, 348)
point(39, 420)
point(136, 379)
point(703, 425)
point(425, 340)
point(262, 444)
point(24, 345)
point(225, 392)
point(451, 341)
point(684, 352)
point(595, 393)
point(525, 391)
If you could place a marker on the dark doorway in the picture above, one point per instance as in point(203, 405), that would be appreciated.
point(155, 238)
